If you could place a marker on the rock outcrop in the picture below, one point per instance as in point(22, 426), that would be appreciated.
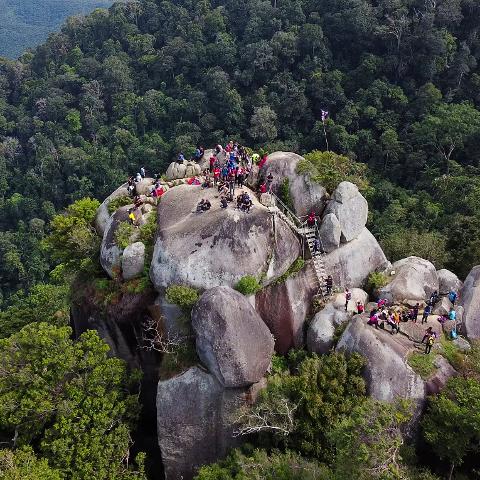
point(195, 420)
point(320, 335)
point(306, 195)
point(103, 215)
point(436, 383)
point(220, 246)
point(330, 233)
point(388, 376)
point(442, 307)
point(415, 279)
point(133, 261)
point(470, 301)
point(448, 281)
point(185, 169)
point(231, 338)
point(351, 210)
point(110, 253)
point(352, 262)
point(284, 308)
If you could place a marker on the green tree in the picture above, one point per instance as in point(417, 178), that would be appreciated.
point(22, 464)
point(263, 124)
point(68, 397)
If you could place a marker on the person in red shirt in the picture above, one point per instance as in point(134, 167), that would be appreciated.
point(263, 188)
point(212, 163)
point(216, 176)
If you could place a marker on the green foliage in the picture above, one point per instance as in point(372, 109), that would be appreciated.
point(123, 234)
point(73, 238)
point(259, 465)
point(422, 364)
point(248, 285)
point(375, 280)
point(147, 235)
point(22, 464)
point(452, 425)
point(68, 397)
point(45, 303)
point(322, 389)
point(285, 195)
point(368, 440)
point(329, 169)
point(118, 202)
point(183, 296)
point(294, 268)
point(181, 358)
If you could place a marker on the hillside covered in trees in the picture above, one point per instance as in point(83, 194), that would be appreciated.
point(27, 23)
point(135, 85)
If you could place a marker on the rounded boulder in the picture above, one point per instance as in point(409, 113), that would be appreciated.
point(231, 338)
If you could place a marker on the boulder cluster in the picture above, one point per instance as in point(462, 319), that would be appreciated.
point(236, 335)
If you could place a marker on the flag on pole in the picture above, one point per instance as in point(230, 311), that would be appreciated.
point(324, 115)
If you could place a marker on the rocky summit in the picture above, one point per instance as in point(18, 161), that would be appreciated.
point(257, 279)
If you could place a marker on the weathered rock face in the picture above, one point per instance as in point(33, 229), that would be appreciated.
point(436, 383)
point(306, 195)
point(351, 210)
point(110, 253)
point(387, 374)
point(231, 338)
point(330, 232)
point(442, 307)
point(448, 281)
point(470, 300)
point(195, 421)
point(220, 246)
point(133, 261)
point(182, 170)
point(415, 279)
point(321, 331)
point(103, 216)
point(352, 262)
point(144, 186)
point(285, 307)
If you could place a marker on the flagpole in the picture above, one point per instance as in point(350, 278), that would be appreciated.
point(325, 133)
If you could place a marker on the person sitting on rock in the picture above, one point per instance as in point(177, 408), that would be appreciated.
point(223, 202)
point(391, 322)
point(206, 183)
point(206, 205)
point(329, 285)
point(239, 201)
point(360, 308)
point(137, 202)
point(180, 158)
point(426, 312)
point(246, 202)
point(373, 320)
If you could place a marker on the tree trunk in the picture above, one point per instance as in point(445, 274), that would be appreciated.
point(452, 466)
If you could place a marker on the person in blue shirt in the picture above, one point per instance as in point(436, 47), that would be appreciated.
point(452, 296)
point(452, 315)
point(426, 312)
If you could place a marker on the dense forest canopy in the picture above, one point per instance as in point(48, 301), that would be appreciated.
point(26, 23)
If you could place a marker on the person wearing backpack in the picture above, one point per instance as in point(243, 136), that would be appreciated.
point(452, 296)
point(426, 312)
point(430, 342)
point(348, 297)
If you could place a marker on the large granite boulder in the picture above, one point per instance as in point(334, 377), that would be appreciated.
point(103, 215)
point(306, 195)
point(177, 170)
point(387, 373)
point(320, 335)
point(284, 307)
point(144, 186)
point(442, 307)
point(231, 338)
point(448, 281)
point(220, 246)
point(437, 381)
point(195, 417)
point(330, 232)
point(351, 210)
point(352, 262)
point(415, 279)
point(470, 301)
point(133, 261)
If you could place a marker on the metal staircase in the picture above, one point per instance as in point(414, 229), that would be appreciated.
point(308, 236)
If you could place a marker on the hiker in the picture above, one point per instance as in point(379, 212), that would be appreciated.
point(414, 312)
point(373, 320)
point(131, 217)
point(434, 298)
point(207, 183)
point(316, 245)
point(240, 177)
point(203, 206)
point(348, 297)
point(430, 342)
point(329, 284)
point(311, 220)
point(452, 296)
point(429, 331)
point(181, 158)
point(263, 161)
point(212, 163)
point(391, 322)
point(223, 202)
point(263, 188)
point(452, 315)
point(397, 319)
point(360, 308)
point(142, 172)
point(247, 203)
point(137, 202)
point(426, 312)
point(381, 302)
point(138, 177)
point(216, 176)
point(269, 182)
point(198, 153)
point(231, 185)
